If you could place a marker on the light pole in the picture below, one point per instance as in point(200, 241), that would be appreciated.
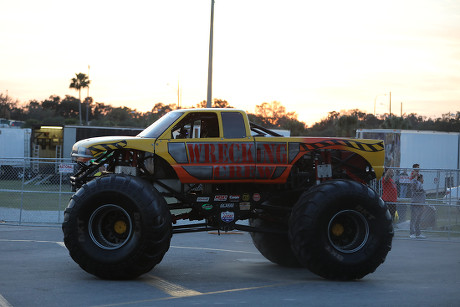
point(178, 92)
point(87, 102)
point(209, 98)
point(390, 104)
point(375, 100)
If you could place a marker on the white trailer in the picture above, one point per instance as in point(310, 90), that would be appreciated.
point(433, 150)
point(14, 147)
point(430, 149)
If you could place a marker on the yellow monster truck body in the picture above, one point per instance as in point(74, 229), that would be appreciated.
point(214, 166)
point(231, 153)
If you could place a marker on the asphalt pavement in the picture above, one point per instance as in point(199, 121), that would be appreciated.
point(208, 269)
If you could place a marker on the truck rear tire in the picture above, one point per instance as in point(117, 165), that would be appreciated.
point(274, 247)
point(341, 230)
point(117, 227)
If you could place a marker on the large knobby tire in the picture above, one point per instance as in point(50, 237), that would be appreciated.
point(117, 227)
point(274, 247)
point(341, 230)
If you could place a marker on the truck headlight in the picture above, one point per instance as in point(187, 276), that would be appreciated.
point(81, 154)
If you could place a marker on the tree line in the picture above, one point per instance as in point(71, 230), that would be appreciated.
point(68, 111)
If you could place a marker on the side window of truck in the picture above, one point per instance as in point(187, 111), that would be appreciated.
point(196, 126)
point(233, 125)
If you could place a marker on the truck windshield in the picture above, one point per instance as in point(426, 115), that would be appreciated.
point(158, 127)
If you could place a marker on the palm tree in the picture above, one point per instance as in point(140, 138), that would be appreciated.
point(80, 81)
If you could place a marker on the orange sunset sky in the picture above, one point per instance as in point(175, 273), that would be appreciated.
point(312, 56)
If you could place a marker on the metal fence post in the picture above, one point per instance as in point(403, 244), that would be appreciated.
point(438, 177)
point(60, 197)
point(22, 191)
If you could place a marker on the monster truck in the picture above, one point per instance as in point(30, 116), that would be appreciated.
point(306, 200)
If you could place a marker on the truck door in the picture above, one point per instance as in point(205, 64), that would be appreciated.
point(272, 160)
point(213, 146)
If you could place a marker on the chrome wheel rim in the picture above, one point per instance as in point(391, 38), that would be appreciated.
point(348, 231)
point(110, 227)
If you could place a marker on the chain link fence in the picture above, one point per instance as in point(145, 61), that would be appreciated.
point(36, 191)
point(438, 200)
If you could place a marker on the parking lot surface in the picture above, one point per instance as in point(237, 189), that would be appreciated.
point(212, 269)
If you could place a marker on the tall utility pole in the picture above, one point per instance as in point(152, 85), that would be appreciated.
point(178, 93)
point(209, 98)
point(390, 104)
point(87, 102)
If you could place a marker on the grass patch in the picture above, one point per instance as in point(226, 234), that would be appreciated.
point(34, 195)
point(34, 200)
point(17, 185)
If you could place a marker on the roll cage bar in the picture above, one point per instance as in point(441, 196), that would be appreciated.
point(261, 131)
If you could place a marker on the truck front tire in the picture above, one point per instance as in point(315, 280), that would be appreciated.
point(341, 230)
point(117, 227)
point(274, 247)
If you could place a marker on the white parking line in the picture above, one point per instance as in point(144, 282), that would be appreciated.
point(180, 247)
point(33, 241)
point(4, 302)
point(168, 287)
point(215, 249)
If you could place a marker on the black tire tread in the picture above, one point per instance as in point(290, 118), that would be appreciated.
point(304, 233)
point(274, 247)
point(155, 218)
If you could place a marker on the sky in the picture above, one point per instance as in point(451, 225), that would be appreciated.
point(314, 57)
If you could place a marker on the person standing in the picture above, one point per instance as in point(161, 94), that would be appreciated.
point(404, 192)
point(415, 171)
point(389, 192)
point(417, 201)
point(404, 182)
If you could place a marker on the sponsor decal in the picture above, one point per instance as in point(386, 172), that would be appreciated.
point(256, 196)
point(227, 205)
point(246, 197)
point(220, 197)
point(227, 216)
point(202, 199)
point(245, 205)
point(207, 206)
point(234, 198)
